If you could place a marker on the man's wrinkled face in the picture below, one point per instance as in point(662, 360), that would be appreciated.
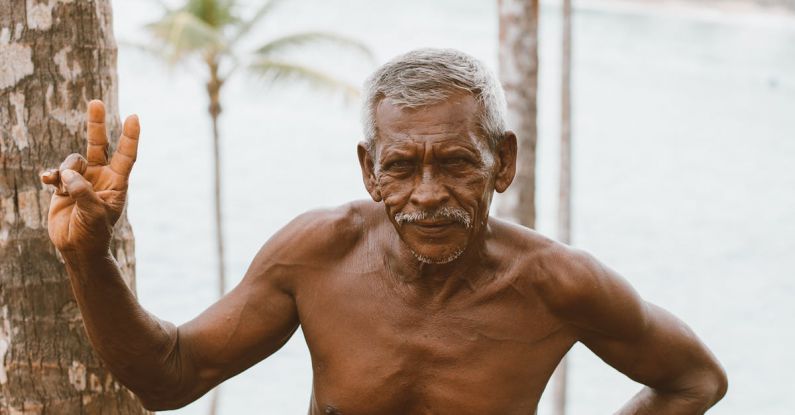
point(435, 173)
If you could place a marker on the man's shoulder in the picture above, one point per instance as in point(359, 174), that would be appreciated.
point(572, 283)
point(337, 219)
point(560, 274)
point(317, 239)
point(328, 232)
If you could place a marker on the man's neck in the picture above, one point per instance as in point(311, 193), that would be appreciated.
point(437, 282)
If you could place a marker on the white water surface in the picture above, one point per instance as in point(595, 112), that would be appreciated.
point(684, 146)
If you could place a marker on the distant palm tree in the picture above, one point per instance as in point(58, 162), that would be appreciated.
point(210, 31)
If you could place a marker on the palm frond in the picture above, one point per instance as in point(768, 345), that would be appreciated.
point(290, 42)
point(277, 71)
point(246, 26)
point(181, 33)
point(215, 13)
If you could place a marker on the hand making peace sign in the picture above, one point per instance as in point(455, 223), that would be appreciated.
point(90, 193)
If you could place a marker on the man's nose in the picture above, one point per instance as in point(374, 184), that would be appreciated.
point(429, 192)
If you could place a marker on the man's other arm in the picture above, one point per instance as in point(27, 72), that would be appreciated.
point(640, 339)
point(168, 367)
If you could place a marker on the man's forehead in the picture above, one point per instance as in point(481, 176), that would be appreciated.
point(448, 119)
point(458, 105)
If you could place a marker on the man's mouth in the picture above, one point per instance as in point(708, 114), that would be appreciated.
point(434, 223)
point(434, 228)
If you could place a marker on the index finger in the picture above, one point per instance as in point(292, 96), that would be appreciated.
point(127, 151)
point(97, 150)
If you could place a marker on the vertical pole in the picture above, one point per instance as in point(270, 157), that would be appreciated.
point(564, 194)
point(214, 92)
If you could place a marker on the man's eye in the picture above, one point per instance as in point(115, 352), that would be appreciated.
point(455, 161)
point(400, 165)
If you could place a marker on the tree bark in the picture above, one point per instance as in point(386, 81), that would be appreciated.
point(55, 55)
point(519, 76)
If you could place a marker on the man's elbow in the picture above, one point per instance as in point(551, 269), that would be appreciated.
point(157, 406)
point(174, 393)
point(164, 395)
point(161, 402)
point(719, 383)
point(709, 387)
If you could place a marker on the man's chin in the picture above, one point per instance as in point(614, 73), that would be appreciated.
point(436, 258)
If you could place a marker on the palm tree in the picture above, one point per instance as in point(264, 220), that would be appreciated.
point(518, 57)
point(210, 32)
point(47, 364)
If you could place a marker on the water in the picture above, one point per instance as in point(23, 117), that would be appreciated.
point(684, 141)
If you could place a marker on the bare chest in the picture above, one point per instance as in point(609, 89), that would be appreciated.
point(375, 352)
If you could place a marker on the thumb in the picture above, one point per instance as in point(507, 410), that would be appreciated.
point(80, 190)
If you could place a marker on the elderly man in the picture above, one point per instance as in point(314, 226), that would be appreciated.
point(416, 302)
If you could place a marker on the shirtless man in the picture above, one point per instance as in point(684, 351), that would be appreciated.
point(416, 302)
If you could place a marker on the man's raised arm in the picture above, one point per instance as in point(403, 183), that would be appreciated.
point(641, 340)
point(166, 366)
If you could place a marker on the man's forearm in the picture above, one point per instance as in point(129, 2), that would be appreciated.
point(137, 347)
point(651, 401)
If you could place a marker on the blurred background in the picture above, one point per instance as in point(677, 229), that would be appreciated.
point(683, 143)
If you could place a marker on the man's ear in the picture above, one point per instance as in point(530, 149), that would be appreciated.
point(506, 154)
point(368, 172)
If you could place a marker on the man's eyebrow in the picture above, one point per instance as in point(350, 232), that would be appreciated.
point(459, 151)
point(466, 146)
point(392, 151)
point(386, 155)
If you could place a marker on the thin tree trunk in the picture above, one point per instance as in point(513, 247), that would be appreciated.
point(564, 195)
point(559, 379)
point(214, 92)
point(219, 230)
point(519, 76)
point(54, 57)
point(559, 384)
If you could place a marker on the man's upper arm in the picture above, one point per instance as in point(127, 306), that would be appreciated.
point(641, 340)
point(249, 323)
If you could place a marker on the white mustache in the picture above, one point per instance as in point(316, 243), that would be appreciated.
point(455, 214)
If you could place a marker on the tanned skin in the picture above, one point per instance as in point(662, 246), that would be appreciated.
point(388, 334)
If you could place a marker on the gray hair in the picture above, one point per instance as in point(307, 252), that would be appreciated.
point(425, 77)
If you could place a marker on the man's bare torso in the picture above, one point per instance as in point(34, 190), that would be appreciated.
point(485, 343)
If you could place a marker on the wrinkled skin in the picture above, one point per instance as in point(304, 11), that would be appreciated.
point(423, 165)
point(475, 327)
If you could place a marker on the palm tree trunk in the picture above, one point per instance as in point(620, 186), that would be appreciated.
point(518, 51)
point(214, 400)
point(54, 56)
point(559, 387)
point(214, 92)
point(217, 203)
point(564, 195)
